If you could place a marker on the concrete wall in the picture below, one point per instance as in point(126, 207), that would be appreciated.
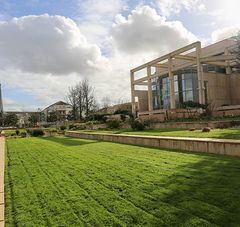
point(218, 89)
point(214, 146)
point(235, 88)
point(142, 100)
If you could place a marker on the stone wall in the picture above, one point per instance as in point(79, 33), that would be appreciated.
point(214, 146)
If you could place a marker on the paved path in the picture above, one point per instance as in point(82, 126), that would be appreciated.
point(2, 159)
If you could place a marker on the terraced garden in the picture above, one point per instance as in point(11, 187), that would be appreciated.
point(59, 181)
point(228, 133)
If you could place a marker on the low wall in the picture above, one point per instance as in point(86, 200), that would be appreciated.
point(214, 146)
point(196, 125)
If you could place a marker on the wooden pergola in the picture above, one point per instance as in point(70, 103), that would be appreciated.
point(190, 55)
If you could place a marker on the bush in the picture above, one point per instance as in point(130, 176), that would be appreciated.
point(62, 127)
point(97, 117)
point(137, 125)
point(46, 125)
point(93, 122)
point(120, 111)
point(113, 124)
point(23, 134)
point(71, 126)
point(17, 132)
point(36, 132)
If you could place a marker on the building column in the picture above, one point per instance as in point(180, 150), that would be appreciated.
point(200, 75)
point(150, 99)
point(228, 68)
point(133, 94)
point(171, 82)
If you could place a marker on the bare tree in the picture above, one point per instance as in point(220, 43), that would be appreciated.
point(106, 102)
point(88, 97)
point(81, 97)
point(73, 100)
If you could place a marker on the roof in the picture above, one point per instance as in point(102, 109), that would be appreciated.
point(58, 104)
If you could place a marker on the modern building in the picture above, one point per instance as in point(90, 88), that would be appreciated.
point(208, 75)
point(56, 112)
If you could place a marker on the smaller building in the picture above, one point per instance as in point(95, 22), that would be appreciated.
point(23, 117)
point(57, 112)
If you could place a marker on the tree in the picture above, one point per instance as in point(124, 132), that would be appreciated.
point(53, 117)
point(88, 97)
point(10, 119)
point(106, 102)
point(72, 99)
point(33, 119)
point(82, 98)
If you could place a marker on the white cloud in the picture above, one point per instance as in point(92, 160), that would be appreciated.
point(168, 7)
point(96, 18)
point(11, 105)
point(47, 44)
point(146, 31)
point(35, 50)
point(224, 33)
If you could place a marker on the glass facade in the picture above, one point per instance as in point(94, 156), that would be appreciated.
point(185, 89)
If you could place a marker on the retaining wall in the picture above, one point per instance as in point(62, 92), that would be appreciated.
point(196, 125)
point(214, 146)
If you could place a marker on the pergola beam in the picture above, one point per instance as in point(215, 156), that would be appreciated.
point(219, 58)
point(217, 63)
point(165, 57)
point(185, 57)
point(160, 65)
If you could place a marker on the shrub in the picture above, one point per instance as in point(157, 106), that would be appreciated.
point(206, 129)
point(36, 132)
point(97, 117)
point(93, 122)
point(121, 111)
point(71, 126)
point(113, 124)
point(46, 125)
point(137, 125)
point(62, 127)
point(17, 132)
point(123, 117)
point(23, 134)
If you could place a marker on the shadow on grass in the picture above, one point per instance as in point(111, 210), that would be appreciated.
point(68, 141)
point(203, 194)
point(229, 135)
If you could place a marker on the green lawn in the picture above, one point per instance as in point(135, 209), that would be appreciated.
point(215, 133)
point(13, 131)
point(59, 181)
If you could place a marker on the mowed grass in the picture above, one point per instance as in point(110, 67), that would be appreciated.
point(59, 181)
point(215, 133)
point(13, 131)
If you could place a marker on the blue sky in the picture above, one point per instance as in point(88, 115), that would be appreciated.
point(42, 55)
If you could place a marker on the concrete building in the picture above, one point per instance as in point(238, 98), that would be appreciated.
point(208, 75)
point(56, 112)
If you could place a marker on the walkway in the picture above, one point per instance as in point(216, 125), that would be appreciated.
point(2, 159)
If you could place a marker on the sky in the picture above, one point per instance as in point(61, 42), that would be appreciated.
point(48, 46)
